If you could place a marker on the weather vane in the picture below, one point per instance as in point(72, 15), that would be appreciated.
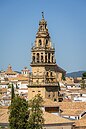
point(43, 15)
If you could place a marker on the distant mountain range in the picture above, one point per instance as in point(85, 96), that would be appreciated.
point(18, 72)
point(75, 74)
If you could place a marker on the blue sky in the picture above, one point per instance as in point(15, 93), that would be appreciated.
point(66, 20)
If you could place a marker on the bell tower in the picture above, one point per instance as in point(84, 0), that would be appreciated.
point(43, 78)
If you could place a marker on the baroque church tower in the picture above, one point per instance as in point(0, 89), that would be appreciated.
point(43, 79)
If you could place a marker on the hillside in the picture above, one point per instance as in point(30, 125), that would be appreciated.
point(75, 74)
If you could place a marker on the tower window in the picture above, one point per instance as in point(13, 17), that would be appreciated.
point(45, 57)
point(42, 59)
point(53, 94)
point(42, 80)
point(48, 57)
point(49, 95)
point(40, 28)
point(51, 74)
point(46, 42)
point(38, 57)
point(47, 74)
point(33, 58)
point(40, 42)
point(37, 81)
point(52, 59)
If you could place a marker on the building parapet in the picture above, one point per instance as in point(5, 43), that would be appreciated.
point(40, 84)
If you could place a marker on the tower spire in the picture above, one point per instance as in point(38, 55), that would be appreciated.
point(42, 15)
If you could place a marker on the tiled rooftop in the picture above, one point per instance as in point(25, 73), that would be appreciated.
point(72, 112)
point(81, 122)
point(50, 103)
point(53, 119)
point(73, 105)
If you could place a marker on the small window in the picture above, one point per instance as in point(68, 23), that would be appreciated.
point(40, 42)
point(49, 95)
point(37, 81)
point(38, 57)
point(47, 74)
point(40, 28)
point(42, 80)
point(46, 42)
point(33, 59)
point(45, 57)
point(39, 91)
point(51, 74)
point(42, 59)
point(33, 91)
point(53, 94)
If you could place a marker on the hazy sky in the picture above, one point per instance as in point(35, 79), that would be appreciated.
point(66, 20)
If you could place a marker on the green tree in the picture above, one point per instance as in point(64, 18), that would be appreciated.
point(12, 92)
point(59, 87)
point(36, 119)
point(84, 74)
point(18, 118)
point(63, 77)
point(9, 85)
point(83, 85)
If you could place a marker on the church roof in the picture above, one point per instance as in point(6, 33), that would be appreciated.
point(10, 71)
point(59, 69)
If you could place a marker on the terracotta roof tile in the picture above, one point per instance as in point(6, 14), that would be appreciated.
point(50, 103)
point(19, 78)
point(54, 119)
point(49, 118)
point(3, 90)
point(81, 122)
point(73, 105)
point(4, 115)
point(71, 112)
